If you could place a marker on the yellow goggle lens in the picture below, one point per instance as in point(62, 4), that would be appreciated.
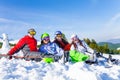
point(32, 32)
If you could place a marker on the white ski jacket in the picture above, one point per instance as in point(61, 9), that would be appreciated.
point(85, 49)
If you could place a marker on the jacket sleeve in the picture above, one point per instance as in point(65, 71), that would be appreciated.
point(87, 47)
point(67, 47)
point(60, 51)
point(17, 47)
point(72, 47)
point(42, 49)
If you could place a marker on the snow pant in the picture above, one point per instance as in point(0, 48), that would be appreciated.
point(38, 56)
point(66, 56)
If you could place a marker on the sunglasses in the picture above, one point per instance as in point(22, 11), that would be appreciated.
point(32, 32)
point(46, 38)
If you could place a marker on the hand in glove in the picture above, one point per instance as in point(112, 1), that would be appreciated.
point(9, 56)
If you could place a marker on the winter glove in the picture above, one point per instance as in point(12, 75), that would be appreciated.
point(9, 56)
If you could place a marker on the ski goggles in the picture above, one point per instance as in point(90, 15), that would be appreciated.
point(46, 38)
point(32, 32)
point(58, 35)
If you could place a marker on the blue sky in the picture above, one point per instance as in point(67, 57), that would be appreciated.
point(94, 19)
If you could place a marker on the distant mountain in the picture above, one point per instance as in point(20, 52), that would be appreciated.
point(111, 45)
point(114, 41)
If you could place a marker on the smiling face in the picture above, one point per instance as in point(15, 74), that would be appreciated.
point(59, 37)
point(46, 40)
point(75, 40)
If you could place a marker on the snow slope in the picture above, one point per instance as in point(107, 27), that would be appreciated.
point(30, 70)
point(17, 69)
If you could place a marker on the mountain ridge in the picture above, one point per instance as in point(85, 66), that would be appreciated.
point(117, 40)
point(110, 45)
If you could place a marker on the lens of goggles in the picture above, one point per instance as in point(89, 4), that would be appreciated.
point(46, 38)
point(32, 32)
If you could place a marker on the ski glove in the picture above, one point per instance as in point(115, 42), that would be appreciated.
point(9, 56)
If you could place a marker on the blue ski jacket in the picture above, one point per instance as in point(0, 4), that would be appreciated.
point(51, 48)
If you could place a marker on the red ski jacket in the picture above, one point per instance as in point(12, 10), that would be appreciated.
point(27, 43)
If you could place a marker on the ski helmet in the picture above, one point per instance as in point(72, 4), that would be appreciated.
point(58, 32)
point(32, 31)
point(74, 36)
point(44, 35)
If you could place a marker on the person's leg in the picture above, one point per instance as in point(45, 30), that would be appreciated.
point(37, 56)
point(66, 56)
point(92, 56)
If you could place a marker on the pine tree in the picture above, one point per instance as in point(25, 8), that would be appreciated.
point(93, 41)
point(87, 41)
point(106, 48)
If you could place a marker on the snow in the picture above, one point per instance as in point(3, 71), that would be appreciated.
point(16, 41)
point(18, 69)
point(5, 47)
point(13, 41)
point(30, 70)
point(118, 48)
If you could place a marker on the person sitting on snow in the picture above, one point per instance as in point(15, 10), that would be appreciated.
point(82, 47)
point(62, 43)
point(50, 48)
point(27, 44)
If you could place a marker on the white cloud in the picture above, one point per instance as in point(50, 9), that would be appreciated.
point(111, 28)
point(14, 28)
point(113, 20)
point(4, 20)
